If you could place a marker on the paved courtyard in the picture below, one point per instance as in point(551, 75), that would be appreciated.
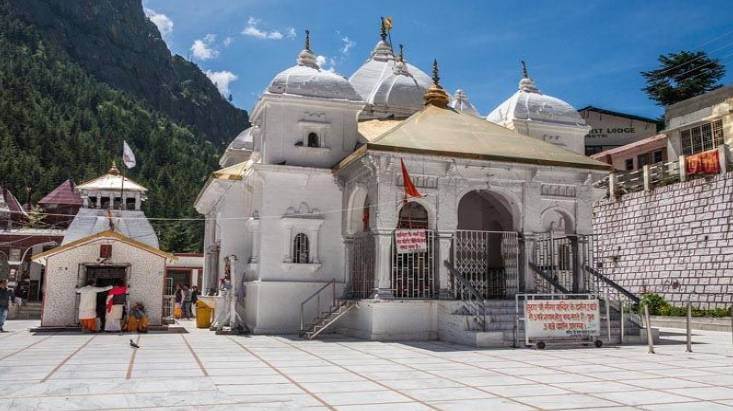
point(202, 370)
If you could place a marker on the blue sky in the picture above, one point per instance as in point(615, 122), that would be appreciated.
point(585, 52)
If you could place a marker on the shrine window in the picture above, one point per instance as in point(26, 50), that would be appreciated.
point(301, 249)
point(313, 140)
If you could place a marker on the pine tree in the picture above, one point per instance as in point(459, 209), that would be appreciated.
point(681, 76)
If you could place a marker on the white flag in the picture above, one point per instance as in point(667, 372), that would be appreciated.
point(128, 157)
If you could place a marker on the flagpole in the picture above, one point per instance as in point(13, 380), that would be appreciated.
point(123, 205)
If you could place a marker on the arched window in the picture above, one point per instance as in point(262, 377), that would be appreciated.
point(313, 140)
point(300, 249)
point(413, 215)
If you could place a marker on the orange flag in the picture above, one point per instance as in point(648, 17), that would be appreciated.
point(410, 190)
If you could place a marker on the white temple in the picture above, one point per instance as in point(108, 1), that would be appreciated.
point(311, 200)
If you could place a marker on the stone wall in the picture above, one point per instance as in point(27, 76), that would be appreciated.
point(675, 241)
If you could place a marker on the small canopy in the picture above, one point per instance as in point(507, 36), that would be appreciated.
point(447, 132)
point(234, 172)
point(42, 258)
point(110, 181)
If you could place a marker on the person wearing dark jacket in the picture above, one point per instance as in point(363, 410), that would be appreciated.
point(6, 296)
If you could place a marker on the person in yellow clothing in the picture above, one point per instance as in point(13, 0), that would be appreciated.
point(88, 305)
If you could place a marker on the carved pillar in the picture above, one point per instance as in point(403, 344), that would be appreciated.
point(313, 236)
point(254, 228)
point(383, 264)
point(287, 236)
point(445, 240)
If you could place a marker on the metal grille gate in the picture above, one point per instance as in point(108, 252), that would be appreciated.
point(362, 266)
point(413, 274)
point(488, 260)
point(563, 258)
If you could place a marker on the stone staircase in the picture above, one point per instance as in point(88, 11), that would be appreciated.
point(326, 318)
point(458, 325)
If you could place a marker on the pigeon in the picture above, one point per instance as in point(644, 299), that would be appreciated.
point(133, 345)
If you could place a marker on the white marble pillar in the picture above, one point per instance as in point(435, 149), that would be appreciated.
point(383, 264)
point(313, 236)
point(287, 239)
point(445, 240)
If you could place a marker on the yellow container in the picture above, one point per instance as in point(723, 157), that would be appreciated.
point(204, 313)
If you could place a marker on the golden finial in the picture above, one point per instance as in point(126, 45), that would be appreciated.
point(114, 170)
point(308, 40)
point(525, 74)
point(435, 95)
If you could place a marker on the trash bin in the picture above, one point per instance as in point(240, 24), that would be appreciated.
point(203, 314)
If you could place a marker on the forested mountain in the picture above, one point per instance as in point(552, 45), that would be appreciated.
point(61, 118)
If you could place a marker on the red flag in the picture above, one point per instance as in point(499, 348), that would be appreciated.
point(410, 190)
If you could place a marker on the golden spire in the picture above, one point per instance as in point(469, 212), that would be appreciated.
point(435, 95)
point(114, 170)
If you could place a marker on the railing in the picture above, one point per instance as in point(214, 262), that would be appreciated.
point(362, 284)
point(167, 307)
point(317, 296)
point(653, 175)
point(413, 274)
point(488, 260)
point(472, 299)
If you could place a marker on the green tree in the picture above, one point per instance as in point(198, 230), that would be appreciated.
point(681, 76)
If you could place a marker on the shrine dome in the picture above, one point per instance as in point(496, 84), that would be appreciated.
point(307, 79)
point(398, 90)
point(460, 102)
point(529, 104)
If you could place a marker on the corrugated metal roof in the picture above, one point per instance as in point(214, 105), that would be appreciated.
point(63, 194)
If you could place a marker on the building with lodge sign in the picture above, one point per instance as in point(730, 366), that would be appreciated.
point(310, 206)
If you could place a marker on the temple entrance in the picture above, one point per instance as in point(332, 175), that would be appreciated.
point(413, 269)
point(485, 245)
point(362, 250)
point(106, 275)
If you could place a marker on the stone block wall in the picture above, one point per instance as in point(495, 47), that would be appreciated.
point(675, 241)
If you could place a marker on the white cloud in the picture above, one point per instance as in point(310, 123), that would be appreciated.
point(222, 80)
point(348, 45)
point(202, 48)
point(227, 41)
point(252, 30)
point(326, 63)
point(163, 22)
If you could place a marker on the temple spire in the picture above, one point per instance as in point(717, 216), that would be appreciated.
point(402, 53)
point(435, 95)
point(526, 84)
point(525, 74)
point(382, 29)
point(306, 56)
point(114, 170)
point(436, 73)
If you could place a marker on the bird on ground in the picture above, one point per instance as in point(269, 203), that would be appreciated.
point(133, 345)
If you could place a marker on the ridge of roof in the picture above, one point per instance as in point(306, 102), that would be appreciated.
point(104, 234)
point(63, 194)
point(618, 114)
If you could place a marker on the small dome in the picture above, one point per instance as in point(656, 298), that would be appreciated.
point(529, 104)
point(309, 80)
point(399, 91)
point(460, 102)
point(380, 65)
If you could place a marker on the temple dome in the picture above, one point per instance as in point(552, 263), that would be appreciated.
point(399, 90)
point(461, 103)
point(378, 67)
point(529, 104)
point(309, 80)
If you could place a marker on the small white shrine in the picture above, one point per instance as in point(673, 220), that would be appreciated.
point(310, 204)
point(109, 240)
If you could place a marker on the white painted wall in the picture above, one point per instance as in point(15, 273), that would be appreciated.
point(64, 272)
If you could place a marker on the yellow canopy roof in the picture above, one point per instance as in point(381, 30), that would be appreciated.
point(447, 132)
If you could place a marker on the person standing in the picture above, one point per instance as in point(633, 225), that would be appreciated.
point(187, 302)
point(6, 296)
point(116, 298)
point(178, 306)
point(88, 305)
point(194, 298)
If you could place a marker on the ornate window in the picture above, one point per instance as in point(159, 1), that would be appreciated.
point(301, 249)
point(313, 140)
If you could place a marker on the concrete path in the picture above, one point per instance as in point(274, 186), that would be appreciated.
point(200, 370)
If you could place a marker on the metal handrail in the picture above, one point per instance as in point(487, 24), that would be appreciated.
point(612, 284)
point(317, 295)
point(548, 278)
point(479, 301)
